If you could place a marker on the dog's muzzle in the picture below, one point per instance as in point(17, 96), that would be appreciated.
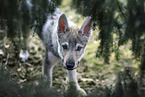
point(70, 65)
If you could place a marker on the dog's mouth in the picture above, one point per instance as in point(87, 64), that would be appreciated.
point(70, 68)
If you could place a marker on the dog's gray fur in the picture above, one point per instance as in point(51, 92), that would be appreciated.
point(64, 42)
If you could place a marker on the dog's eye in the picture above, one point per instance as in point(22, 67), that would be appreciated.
point(79, 48)
point(64, 46)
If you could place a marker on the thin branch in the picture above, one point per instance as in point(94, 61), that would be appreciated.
point(120, 9)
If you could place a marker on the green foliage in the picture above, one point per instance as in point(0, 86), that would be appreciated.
point(125, 19)
point(57, 2)
point(17, 15)
point(8, 15)
point(135, 26)
point(142, 66)
point(126, 85)
point(104, 15)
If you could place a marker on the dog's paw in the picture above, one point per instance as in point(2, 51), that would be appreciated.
point(81, 92)
point(75, 91)
point(24, 55)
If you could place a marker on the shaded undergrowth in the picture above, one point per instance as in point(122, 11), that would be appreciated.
point(126, 85)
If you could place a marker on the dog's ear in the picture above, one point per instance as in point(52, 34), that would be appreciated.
point(62, 24)
point(85, 29)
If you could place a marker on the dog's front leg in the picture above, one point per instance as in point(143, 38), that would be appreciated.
point(73, 83)
point(47, 68)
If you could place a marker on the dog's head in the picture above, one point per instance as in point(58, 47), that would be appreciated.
point(72, 41)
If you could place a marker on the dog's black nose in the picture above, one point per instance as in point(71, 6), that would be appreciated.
point(70, 65)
